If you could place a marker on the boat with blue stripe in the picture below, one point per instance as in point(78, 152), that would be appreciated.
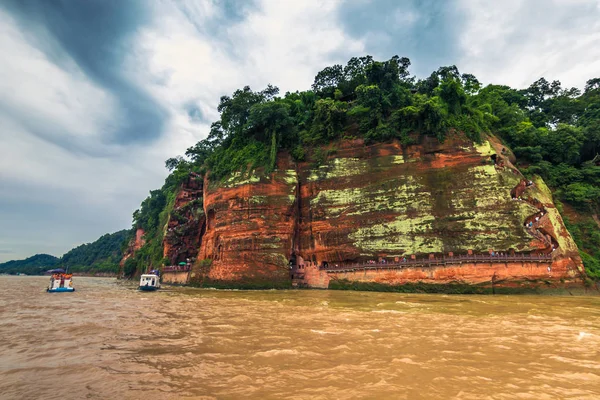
point(60, 282)
point(150, 282)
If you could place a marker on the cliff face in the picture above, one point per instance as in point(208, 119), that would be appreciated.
point(383, 202)
point(390, 201)
point(251, 225)
point(186, 222)
point(134, 245)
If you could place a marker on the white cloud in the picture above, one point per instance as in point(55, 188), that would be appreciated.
point(43, 91)
point(44, 109)
point(289, 42)
point(285, 44)
point(516, 42)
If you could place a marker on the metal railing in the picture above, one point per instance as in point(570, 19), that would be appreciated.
point(445, 260)
point(177, 268)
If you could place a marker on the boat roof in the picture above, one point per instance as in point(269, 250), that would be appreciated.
point(149, 276)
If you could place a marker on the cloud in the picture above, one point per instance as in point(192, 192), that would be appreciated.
point(516, 42)
point(194, 113)
point(95, 94)
point(94, 38)
point(426, 31)
point(58, 155)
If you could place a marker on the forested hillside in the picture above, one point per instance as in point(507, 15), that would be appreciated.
point(100, 256)
point(554, 132)
point(34, 265)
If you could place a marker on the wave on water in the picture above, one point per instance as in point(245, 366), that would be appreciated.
point(584, 335)
point(388, 312)
point(404, 360)
point(341, 347)
point(277, 352)
point(287, 352)
point(409, 304)
point(324, 332)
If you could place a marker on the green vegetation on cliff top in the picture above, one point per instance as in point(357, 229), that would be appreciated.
point(554, 131)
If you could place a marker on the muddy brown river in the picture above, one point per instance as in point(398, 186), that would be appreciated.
point(109, 341)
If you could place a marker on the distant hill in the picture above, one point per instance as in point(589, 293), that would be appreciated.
point(34, 265)
point(101, 256)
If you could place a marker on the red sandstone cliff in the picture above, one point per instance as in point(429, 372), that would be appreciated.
point(250, 226)
point(134, 245)
point(383, 202)
point(186, 222)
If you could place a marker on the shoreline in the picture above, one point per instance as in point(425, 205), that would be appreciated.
point(532, 288)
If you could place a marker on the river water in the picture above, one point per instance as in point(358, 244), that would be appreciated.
point(109, 341)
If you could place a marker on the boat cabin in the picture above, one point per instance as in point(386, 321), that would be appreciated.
point(61, 282)
point(149, 282)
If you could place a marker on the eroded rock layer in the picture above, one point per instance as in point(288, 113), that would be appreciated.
point(383, 202)
point(250, 226)
point(186, 222)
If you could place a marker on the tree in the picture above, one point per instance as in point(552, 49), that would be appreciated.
point(563, 144)
point(269, 121)
point(130, 267)
point(173, 162)
point(581, 194)
point(427, 86)
point(328, 79)
point(433, 119)
point(448, 72)
point(355, 69)
point(541, 90)
point(200, 151)
point(452, 93)
point(470, 83)
point(592, 85)
point(266, 118)
point(235, 110)
point(330, 117)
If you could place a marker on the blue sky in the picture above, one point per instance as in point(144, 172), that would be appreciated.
point(95, 95)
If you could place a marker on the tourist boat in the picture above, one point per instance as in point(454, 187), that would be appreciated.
point(61, 282)
point(150, 282)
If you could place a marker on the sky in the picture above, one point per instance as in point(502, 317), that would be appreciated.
point(96, 94)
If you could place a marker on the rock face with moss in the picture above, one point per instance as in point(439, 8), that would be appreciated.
point(371, 202)
point(250, 228)
point(353, 203)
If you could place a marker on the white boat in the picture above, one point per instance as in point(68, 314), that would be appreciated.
point(61, 282)
point(149, 282)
